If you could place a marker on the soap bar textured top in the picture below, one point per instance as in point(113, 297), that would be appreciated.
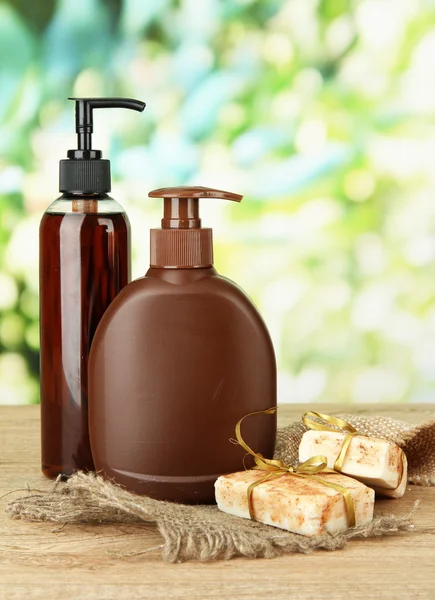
point(377, 463)
point(301, 505)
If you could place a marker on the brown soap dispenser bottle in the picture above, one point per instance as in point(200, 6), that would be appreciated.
point(178, 358)
point(84, 263)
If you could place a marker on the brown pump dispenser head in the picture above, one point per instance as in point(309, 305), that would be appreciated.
point(182, 243)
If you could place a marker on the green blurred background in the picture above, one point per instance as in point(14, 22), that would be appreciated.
point(322, 112)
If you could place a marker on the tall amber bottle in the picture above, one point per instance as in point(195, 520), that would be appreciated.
point(84, 264)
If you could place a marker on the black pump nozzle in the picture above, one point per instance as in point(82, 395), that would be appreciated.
point(84, 116)
point(85, 171)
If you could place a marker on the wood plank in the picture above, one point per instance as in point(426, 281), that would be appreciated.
point(39, 561)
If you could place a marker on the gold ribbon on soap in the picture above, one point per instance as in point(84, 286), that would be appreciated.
point(277, 468)
point(331, 424)
point(337, 425)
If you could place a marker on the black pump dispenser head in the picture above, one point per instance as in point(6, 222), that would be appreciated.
point(85, 171)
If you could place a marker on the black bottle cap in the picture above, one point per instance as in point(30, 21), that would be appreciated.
point(85, 171)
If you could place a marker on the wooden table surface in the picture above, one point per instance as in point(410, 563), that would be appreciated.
point(36, 562)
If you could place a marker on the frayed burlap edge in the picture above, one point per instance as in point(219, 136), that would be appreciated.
point(201, 533)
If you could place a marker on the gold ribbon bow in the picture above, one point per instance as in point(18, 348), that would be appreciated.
point(331, 424)
point(277, 468)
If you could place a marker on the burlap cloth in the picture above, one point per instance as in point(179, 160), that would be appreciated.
point(203, 532)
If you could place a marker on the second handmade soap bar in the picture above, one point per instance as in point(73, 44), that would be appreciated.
point(301, 505)
point(377, 463)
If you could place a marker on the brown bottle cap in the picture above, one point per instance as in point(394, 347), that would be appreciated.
point(182, 243)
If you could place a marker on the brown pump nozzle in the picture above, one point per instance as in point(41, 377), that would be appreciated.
point(182, 243)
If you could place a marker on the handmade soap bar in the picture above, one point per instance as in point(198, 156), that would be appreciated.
point(377, 463)
point(301, 505)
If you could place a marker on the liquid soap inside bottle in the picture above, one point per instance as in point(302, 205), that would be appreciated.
point(84, 264)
